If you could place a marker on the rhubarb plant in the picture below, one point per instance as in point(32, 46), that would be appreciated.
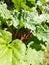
point(24, 30)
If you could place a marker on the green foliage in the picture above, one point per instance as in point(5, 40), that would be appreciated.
point(43, 1)
point(42, 34)
point(4, 13)
point(6, 35)
point(31, 16)
point(6, 16)
point(14, 53)
point(19, 4)
point(35, 56)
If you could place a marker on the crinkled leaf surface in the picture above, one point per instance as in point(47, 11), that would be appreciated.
point(42, 34)
point(4, 12)
point(6, 16)
point(27, 18)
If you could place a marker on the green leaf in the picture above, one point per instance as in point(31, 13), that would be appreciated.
point(40, 6)
point(18, 5)
point(34, 57)
point(32, 1)
point(16, 54)
point(15, 20)
point(4, 12)
point(5, 55)
point(40, 18)
point(12, 54)
point(19, 50)
point(6, 35)
point(43, 1)
point(2, 41)
point(42, 34)
point(26, 7)
point(28, 20)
